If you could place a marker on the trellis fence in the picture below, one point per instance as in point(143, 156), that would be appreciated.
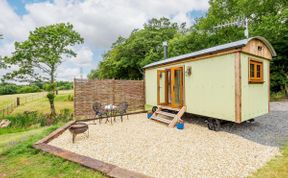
point(86, 92)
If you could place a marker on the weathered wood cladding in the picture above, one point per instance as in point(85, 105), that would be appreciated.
point(257, 48)
point(107, 92)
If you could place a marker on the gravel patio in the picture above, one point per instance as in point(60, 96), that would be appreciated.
point(151, 148)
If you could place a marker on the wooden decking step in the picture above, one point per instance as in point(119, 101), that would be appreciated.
point(157, 118)
point(166, 113)
point(169, 108)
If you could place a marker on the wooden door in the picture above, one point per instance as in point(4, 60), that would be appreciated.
point(177, 87)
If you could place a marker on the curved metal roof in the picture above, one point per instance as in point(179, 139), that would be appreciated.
point(235, 44)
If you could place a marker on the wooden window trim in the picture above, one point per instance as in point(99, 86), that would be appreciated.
point(160, 72)
point(255, 79)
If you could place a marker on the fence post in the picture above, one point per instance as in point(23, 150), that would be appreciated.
point(18, 101)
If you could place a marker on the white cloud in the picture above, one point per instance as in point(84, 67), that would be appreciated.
point(11, 25)
point(100, 22)
point(68, 73)
point(6, 49)
point(84, 56)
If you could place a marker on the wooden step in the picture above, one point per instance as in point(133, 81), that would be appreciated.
point(157, 118)
point(168, 108)
point(166, 113)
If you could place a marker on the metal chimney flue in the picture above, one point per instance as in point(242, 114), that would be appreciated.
point(165, 46)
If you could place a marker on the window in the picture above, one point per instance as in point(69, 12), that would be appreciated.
point(255, 71)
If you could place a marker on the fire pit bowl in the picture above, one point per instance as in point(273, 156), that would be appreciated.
point(78, 128)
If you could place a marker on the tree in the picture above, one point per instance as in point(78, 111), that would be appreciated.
point(127, 56)
point(40, 55)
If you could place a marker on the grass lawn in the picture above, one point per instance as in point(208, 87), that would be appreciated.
point(17, 156)
point(277, 167)
point(9, 140)
point(24, 161)
point(7, 99)
point(42, 105)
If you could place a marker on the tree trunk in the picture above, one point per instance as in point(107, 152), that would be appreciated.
point(52, 106)
point(51, 95)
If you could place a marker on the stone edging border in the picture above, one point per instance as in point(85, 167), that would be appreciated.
point(105, 168)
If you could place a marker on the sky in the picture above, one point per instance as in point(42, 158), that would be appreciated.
point(99, 22)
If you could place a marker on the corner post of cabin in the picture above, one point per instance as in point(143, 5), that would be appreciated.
point(238, 87)
point(268, 86)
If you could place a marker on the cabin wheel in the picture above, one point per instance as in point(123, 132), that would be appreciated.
point(214, 124)
point(154, 108)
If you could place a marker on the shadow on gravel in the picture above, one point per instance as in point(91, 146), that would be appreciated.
point(270, 129)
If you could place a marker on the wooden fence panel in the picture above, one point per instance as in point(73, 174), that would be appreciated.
point(86, 92)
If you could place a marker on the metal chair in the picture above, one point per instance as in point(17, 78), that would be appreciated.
point(122, 109)
point(99, 111)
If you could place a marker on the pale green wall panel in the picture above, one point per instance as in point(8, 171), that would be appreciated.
point(255, 97)
point(151, 87)
point(209, 91)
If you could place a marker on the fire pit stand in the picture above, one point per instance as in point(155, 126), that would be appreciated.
point(78, 128)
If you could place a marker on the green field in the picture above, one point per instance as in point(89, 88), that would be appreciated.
point(39, 104)
point(7, 99)
point(42, 105)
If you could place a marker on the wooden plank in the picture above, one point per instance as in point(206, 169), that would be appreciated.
point(105, 168)
point(124, 173)
point(238, 88)
point(83, 160)
point(166, 113)
point(177, 117)
point(160, 119)
point(268, 87)
point(169, 108)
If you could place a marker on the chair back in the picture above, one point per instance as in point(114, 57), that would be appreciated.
point(123, 107)
point(96, 106)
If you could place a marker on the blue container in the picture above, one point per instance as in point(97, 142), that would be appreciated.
point(180, 126)
point(149, 115)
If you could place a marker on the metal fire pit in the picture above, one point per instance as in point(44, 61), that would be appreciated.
point(78, 128)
